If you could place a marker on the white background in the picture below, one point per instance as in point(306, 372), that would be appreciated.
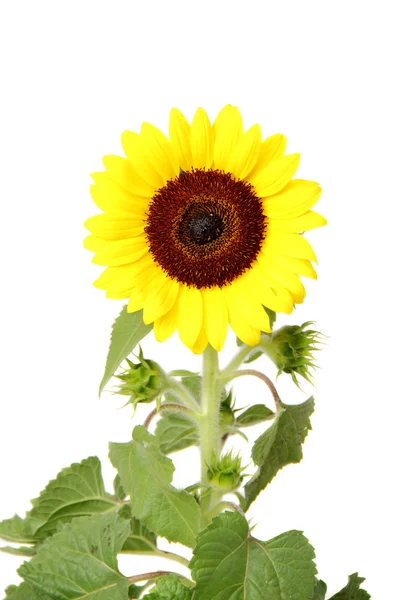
point(74, 75)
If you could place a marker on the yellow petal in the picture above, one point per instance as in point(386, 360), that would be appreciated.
point(110, 196)
point(201, 342)
point(179, 133)
point(242, 296)
point(286, 278)
point(244, 331)
point(165, 326)
point(296, 265)
point(276, 175)
point(159, 152)
point(115, 276)
point(122, 172)
point(160, 299)
point(134, 146)
point(215, 317)
point(245, 154)
point(296, 199)
point(228, 130)
point(190, 315)
point(121, 252)
point(271, 149)
point(201, 140)
point(310, 220)
point(114, 227)
point(268, 292)
point(291, 244)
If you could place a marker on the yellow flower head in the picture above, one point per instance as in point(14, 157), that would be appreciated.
point(201, 231)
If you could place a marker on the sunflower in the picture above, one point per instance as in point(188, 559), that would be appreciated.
point(201, 231)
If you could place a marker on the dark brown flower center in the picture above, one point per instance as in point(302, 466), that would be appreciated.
point(205, 228)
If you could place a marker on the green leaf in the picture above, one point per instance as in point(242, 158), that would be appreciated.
point(319, 590)
point(21, 551)
point(175, 432)
point(22, 592)
point(272, 316)
point(279, 445)
point(140, 539)
point(119, 491)
point(193, 384)
point(135, 590)
point(182, 373)
point(128, 330)
point(146, 474)
point(255, 414)
point(80, 561)
point(13, 530)
point(169, 587)
point(77, 490)
point(352, 591)
point(229, 564)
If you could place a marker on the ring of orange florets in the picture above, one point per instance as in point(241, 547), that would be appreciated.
point(205, 228)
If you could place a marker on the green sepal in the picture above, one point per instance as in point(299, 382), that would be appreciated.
point(254, 415)
point(279, 445)
point(230, 564)
point(146, 474)
point(143, 382)
point(127, 331)
point(169, 587)
point(80, 561)
point(352, 591)
point(225, 472)
point(77, 490)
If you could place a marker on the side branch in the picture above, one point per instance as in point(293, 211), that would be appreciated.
point(172, 407)
point(263, 378)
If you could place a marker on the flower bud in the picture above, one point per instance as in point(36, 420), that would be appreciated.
point(225, 473)
point(142, 381)
point(291, 348)
point(226, 412)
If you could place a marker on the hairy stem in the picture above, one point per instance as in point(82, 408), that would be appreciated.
point(210, 443)
point(263, 378)
point(178, 390)
point(155, 575)
point(179, 408)
point(240, 356)
point(162, 553)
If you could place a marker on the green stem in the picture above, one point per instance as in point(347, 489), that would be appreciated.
point(261, 376)
point(178, 408)
point(181, 393)
point(162, 553)
point(240, 356)
point(210, 443)
point(155, 575)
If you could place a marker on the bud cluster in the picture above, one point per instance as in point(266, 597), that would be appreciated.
point(142, 381)
point(225, 472)
point(291, 349)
